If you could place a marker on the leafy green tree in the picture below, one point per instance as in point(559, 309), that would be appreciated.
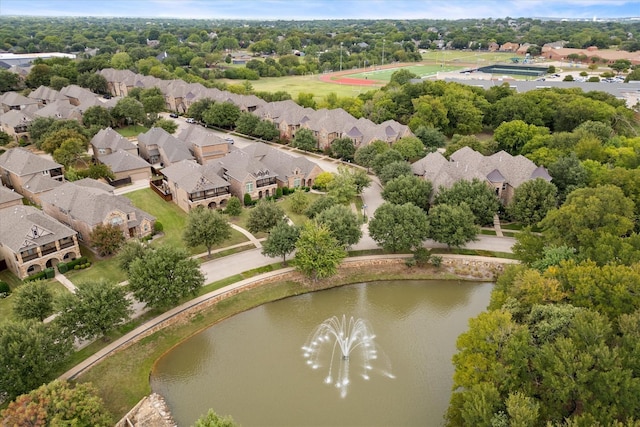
point(320, 204)
point(360, 179)
point(94, 82)
point(58, 403)
point(31, 353)
point(206, 227)
point(343, 224)
point(266, 130)
point(528, 247)
point(107, 239)
point(264, 216)
point(304, 140)
point(95, 308)
point(121, 61)
point(129, 252)
point(33, 300)
point(299, 201)
point(246, 123)
point(39, 75)
point(364, 156)
point(399, 228)
point(323, 180)
point(512, 136)
point(221, 114)
point(587, 214)
point(198, 108)
point(432, 138)
point(394, 170)
point(54, 139)
point(568, 174)
point(408, 189)
point(343, 148)
point(553, 255)
point(9, 81)
point(281, 241)
point(211, 419)
point(343, 187)
point(234, 207)
point(5, 138)
point(153, 100)
point(97, 116)
point(532, 200)
point(58, 82)
point(385, 158)
point(453, 225)
point(163, 276)
point(70, 151)
point(128, 110)
point(168, 125)
point(481, 199)
point(410, 147)
point(318, 253)
point(306, 100)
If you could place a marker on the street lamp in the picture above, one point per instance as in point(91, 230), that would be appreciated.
point(382, 64)
point(340, 56)
point(364, 211)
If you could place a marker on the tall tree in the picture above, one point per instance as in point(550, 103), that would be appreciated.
point(343, 224)
point(33, 300)
point(129, 110)
point(453, 225)
point(408, 189)
point(476, 194)
point(221, 114)
point(93, 310)
point(304, 140)
point(281, 241)
point(58, 403)
point(394, 170)
point(264, 216)
point(129, 252)
point(399, 228)
point(107, 239)
point(318, 253)
point(532, 200)
point(206, 227)
point(343, 148)
point(31, 352)
point(211, 419)
point(163, 276)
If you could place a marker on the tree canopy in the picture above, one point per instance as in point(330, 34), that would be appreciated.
point(206, 227)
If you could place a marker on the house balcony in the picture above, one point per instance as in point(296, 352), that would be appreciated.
point(260, 183)
point(211, 194)
point(66, 243)
point(54, 173)
point(48, 249)
point(28, 257)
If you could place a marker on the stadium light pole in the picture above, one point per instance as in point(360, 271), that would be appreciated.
point(340, 56)
point(382, 63)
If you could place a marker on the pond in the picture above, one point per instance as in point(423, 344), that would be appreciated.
point(252, 366)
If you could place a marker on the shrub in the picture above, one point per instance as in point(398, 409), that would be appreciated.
point(5, 290)
point(435, 260)
point(410, 262)
point(76, 267)
point(38, 276)
point(247, 199)
point(63, 267)
point(49, 273)
point(279, 192)
point(421, 256)
point(158, 227)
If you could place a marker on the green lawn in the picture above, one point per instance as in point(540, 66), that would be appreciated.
point(421, 70)
point(129, 131)
point(6, 304)
point(102, 268)
point(173, 220)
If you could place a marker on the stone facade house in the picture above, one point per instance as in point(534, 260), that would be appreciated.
point(204, 146)
point(126, 166)
point(291, 171)
point(14, 101)
point(16, 123)
point(190, 184)
point(108, 141)
point(501, 171)
point(247, 174)
point(84, 204)
point(31, 241)
point(29, 174)
point(9, 198)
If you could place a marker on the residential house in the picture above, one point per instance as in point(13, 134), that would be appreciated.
point(126, 167)
point(291, 171)
point(59, 109)
point(9, 197)
point(493, 46)
point(190, 184)
point(45, 95)
point(204, 145)
point(29, 174)
point(108, 141)
point(84, 204)
point(31, 241)
point(15, 101)
point(16, 123)
point(78, 95)
point(509, 47)
point(247, 174)
point(501, 171)
point(591, 53)
point(159, 147)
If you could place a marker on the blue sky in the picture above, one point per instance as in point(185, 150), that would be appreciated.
point(325, 9)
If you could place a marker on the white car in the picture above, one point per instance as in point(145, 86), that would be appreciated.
point(190, 120)
point(229, 140)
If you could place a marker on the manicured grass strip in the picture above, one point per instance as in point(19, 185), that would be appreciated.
point(131, 131)
point(104, 268)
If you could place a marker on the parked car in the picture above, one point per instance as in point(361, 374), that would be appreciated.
point(229, 140)
point(190, 120)
point(173, 115)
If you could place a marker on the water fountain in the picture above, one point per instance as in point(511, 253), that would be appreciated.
point(343, 338)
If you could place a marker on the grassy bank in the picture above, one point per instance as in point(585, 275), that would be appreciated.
point(123, 379)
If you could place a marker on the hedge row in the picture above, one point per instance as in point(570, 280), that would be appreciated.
point(47, 273)
point(63, 267)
